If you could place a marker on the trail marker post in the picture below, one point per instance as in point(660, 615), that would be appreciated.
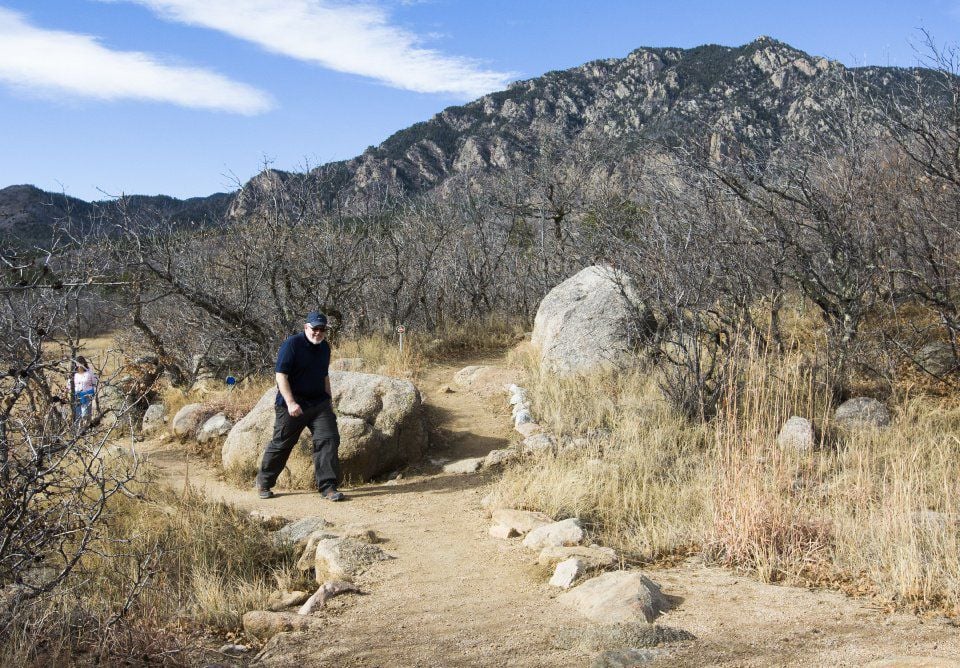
point(401, 330)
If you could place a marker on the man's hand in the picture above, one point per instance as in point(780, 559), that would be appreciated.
point(294, 409)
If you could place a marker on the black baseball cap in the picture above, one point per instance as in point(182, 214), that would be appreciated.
point(316, 319)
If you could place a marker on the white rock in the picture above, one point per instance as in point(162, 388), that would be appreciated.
point(299, 531)
point(522, 417)
point(566, 532)
point(797, 434)
point(538, 442)
point(471, 465)
point(502, 532)
point(522, 521)
point(518, 397)
point(567, 572)
point(528, 429)
point(499, 457)
point(187, 420)
point(217, 426)
point(618, 597)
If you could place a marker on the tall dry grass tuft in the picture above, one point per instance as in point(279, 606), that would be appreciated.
point(639, 473)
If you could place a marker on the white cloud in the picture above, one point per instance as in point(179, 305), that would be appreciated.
point(55, 63)
point(357, 39)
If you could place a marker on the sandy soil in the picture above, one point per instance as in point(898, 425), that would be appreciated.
point(456, 597)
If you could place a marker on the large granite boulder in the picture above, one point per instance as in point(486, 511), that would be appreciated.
point(380, 421)
point(592, 320)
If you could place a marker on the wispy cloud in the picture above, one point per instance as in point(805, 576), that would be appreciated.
point(50, 62)
point(358, 39)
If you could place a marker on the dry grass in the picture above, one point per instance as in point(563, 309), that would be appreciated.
point(870, 512)
point(208, 563)
point(381, 352)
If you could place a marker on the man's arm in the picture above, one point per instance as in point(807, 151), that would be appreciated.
point(326, 384)
point(283, 384)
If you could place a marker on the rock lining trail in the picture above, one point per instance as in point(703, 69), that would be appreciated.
point(455, 596)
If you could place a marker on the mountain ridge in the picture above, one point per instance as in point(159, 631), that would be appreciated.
point(765, 92)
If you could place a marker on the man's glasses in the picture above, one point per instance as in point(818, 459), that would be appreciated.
point(317, 329)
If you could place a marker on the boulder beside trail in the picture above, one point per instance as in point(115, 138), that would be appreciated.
point(380, 420)
point(566, 532)
point(187, 420)
point(620, 596)
point(591, 321)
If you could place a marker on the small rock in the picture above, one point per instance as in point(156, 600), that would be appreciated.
point(154, 418)
point(216, 427)
point(861, 412)
point(234, 650)
point(797, 434)
point(518, 396)
point(263, 625)
point(501, 532)
point(522, 417)
point(309, 555)
point(187, 419)
point(592, 557)
point(499, 457)
point(566, 532)
point(567, 572)
point(299, 531)
point(344, 558)
point(446, 389)
point(538, 442)
point(471, 465)
point(528, 429)
point(620, 596)
point(285, 599)
point(361, 533)
point(522, 521)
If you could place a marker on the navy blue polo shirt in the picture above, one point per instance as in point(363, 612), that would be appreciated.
point(306, 366)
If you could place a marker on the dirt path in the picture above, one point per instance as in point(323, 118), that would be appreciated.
point(453, 596)
point(456, 597)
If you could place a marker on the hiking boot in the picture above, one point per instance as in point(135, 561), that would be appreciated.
point(331, 494)
point(265, 493)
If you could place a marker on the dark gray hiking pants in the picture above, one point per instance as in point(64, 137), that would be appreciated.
point(322, 423)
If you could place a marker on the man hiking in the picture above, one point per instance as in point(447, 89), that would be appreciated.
point(304, 400)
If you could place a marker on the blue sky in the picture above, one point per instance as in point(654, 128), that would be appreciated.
point(186, 97)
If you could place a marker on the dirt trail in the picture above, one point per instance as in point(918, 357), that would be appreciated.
point(456, 597)
point(453, 596)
